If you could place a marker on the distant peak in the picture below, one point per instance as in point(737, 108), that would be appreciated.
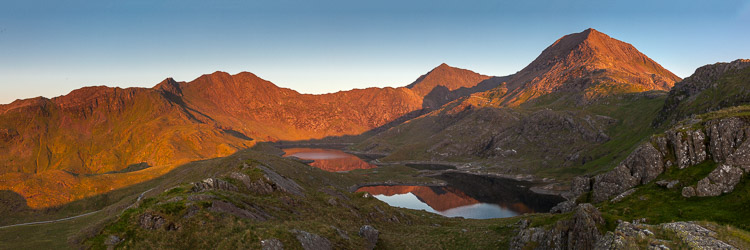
point(169, 85)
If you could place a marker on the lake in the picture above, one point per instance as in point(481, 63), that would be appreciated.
point(465, 195)
point(468, 196)
point(331, 160)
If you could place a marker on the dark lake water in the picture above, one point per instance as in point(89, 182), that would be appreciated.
point(466, 195)
point(331, 160)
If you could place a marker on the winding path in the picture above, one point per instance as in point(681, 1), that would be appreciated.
point(72, 217)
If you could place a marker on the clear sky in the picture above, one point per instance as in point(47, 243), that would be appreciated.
point(48, 48)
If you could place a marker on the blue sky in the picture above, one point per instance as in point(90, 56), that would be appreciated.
point(48, 48)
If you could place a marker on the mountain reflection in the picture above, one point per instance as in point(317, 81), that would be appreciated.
point(329, 159)
point(447, 201)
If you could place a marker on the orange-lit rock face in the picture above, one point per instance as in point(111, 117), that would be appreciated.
point(328, 159)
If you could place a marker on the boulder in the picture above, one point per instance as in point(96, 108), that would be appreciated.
point(720, 180)
point(579, 232)
point(370, 234)
point(282, 183)
point(151, 221)
point(725, 135)
point(311, 241)
point(563, 207)
point(271, 244)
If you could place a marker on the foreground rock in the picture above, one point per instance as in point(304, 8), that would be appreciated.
point(724, 141)
point(579, 232)
point(370, 234)
point(312, 241)
point(676, 235)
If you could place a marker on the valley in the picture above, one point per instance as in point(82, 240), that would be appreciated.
point(593, 145)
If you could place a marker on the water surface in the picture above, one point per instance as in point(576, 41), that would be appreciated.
point(468, 196)
point(331, 160)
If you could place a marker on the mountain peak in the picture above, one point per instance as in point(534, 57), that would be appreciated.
point(446, 76)
point(592, 63)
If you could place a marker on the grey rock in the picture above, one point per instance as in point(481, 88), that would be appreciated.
point(151, 221)
point(370, 234)
point(689, 147)
point(311, 241)
point(579, 232)
point(720, 180)
point(112, 240)
point(579, 186)
point(213, 183)
point(563, 207)
point(667, 183)
point(726, 136)
point(271, 244)
point(640, 167)
point(688, 192)
point(282, 183)
point(259, 186)
point(741, 156)
point(621, 196)
point(696, 236)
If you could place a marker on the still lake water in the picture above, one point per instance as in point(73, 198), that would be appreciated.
point(331, 160)
point(466, 195)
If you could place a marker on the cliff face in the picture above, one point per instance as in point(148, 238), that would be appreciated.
point(710, 88)
point(720, 137)
point(724, 141)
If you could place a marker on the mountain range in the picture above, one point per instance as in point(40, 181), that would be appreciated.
point(590, 108)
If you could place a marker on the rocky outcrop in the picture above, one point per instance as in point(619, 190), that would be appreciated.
point(151, 221)
point(723, 140)
point(370, 234)
point(721, 180)
point(282, 183)
point(632, 235)
point(705, 79)
point(311, 241)
point(579, 232)
point(696, 236)
point(213, 183)
point(640, 167)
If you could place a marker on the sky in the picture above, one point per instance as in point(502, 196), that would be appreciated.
point(48, 48)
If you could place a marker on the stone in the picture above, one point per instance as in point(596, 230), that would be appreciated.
point(271, 244)
point(726, 136)
point(621, 196)
point(282, 183)
point(112, 241)
point(370, 234)
point(688, 192)
point(579, 232)
point(563, 207)
point(151, 221)
point(667, 183)
point(579, 185)
point(720, 180)
point(696, 236)
point(213, 183)
point(311, 241)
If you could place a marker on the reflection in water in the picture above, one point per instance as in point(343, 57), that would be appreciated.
point(329, 159)
point(446, 201)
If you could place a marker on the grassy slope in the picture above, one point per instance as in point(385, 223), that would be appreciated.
point(316, 215)
point(633, 112)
